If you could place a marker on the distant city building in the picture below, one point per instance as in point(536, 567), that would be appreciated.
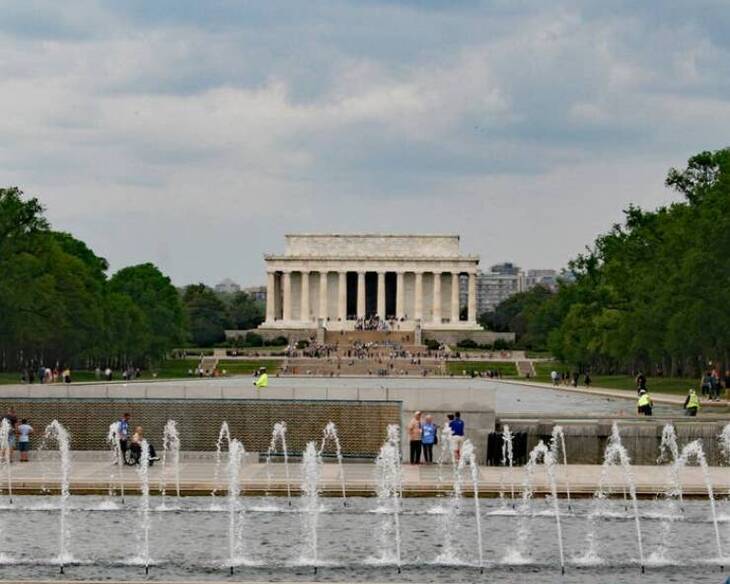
point(258, 293)
point(547, 278)
point(227, 286)
point(507, 279)
point(495, 287)
point(505, 269)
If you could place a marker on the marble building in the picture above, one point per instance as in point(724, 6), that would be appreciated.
point(332, 280)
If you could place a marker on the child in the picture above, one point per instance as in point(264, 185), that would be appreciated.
point(24, 432)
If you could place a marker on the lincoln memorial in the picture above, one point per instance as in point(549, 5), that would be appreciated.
point(332, 281)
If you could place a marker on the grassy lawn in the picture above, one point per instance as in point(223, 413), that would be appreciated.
point(675, 385)
point(169, 369)
point(507, 368)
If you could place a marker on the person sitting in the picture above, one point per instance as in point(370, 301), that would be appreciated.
point(135, 448)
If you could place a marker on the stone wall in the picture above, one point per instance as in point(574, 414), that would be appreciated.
point(585, 442)
point(361, 425)
point(452, 337)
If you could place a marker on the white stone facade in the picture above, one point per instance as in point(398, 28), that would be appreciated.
point(334, 280)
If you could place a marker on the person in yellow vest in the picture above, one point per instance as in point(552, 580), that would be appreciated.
point(644, 404)
point(692, 403)
point(262, 380)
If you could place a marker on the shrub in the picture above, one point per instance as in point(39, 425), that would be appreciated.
point(279, 341)
point(254, 340)
point(432, 345)
point(467, 344)
point(303, 344)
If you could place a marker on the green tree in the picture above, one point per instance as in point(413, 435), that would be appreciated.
point(158, 301)
point(245, 312)
point(207, 316)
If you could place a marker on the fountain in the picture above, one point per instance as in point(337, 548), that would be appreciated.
point(518, 554)
point(5, 455)
point(330, 433)
point(278, 435)
point(389, 491)
point(614, 455)
point(143, 556)
point(171, 446)
point(447, 451)
point(235, 540)
point(223, 434)
point(694, 450)
point(113, 440)
point(507, 459)
point(557, 444)
point(724, 438)
point(468, 456)
point(681, 539)
point(55, 431)
point(311, 474)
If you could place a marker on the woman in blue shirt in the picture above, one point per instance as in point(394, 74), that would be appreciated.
point(429, 437)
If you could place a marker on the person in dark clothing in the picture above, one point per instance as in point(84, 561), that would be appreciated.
point(640, 382)
point(414, 436)
point(588, 379)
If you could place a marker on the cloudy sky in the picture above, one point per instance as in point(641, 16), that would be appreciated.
point(195, 134)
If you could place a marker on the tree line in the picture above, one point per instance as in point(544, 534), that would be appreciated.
point(57, 305)
point(651, 294)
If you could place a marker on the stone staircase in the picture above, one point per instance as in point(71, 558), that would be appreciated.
point(344, 366)
point(525, 368)
point(208, 365)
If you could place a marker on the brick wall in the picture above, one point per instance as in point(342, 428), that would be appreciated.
point(361, 425)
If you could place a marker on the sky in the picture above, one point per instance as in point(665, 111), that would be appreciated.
point(196, 134)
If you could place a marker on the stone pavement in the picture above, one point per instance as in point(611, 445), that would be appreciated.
point(197, 477)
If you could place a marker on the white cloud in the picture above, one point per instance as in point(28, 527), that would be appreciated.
point(174, 136)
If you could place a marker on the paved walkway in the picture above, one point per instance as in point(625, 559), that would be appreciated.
point(661, 398)
point(198, 478)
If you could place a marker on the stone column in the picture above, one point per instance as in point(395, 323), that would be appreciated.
point(286, 306)
point(437, 297)
point(381, 295)
point(472, 306)
point(455, 297)
point(304, 312)
point(342, 297)
point(418, 304)
point(399, 297)
point(323, 296)
point(361, 295)
point(270, 296)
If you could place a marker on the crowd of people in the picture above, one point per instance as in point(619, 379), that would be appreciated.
point(423, 435)
point(373, 323)
point(45, 374)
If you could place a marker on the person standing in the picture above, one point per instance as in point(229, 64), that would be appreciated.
point(123, 436)
point(692, 403)
point(640, 382)
point(24, 432)
point(414, 436)
point(429, 437)
point(644, 404)
point(262, 380)
point(457, 432)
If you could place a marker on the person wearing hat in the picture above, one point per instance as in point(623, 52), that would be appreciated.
point(692, 403)
point(644, 404)
point(262, 380)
